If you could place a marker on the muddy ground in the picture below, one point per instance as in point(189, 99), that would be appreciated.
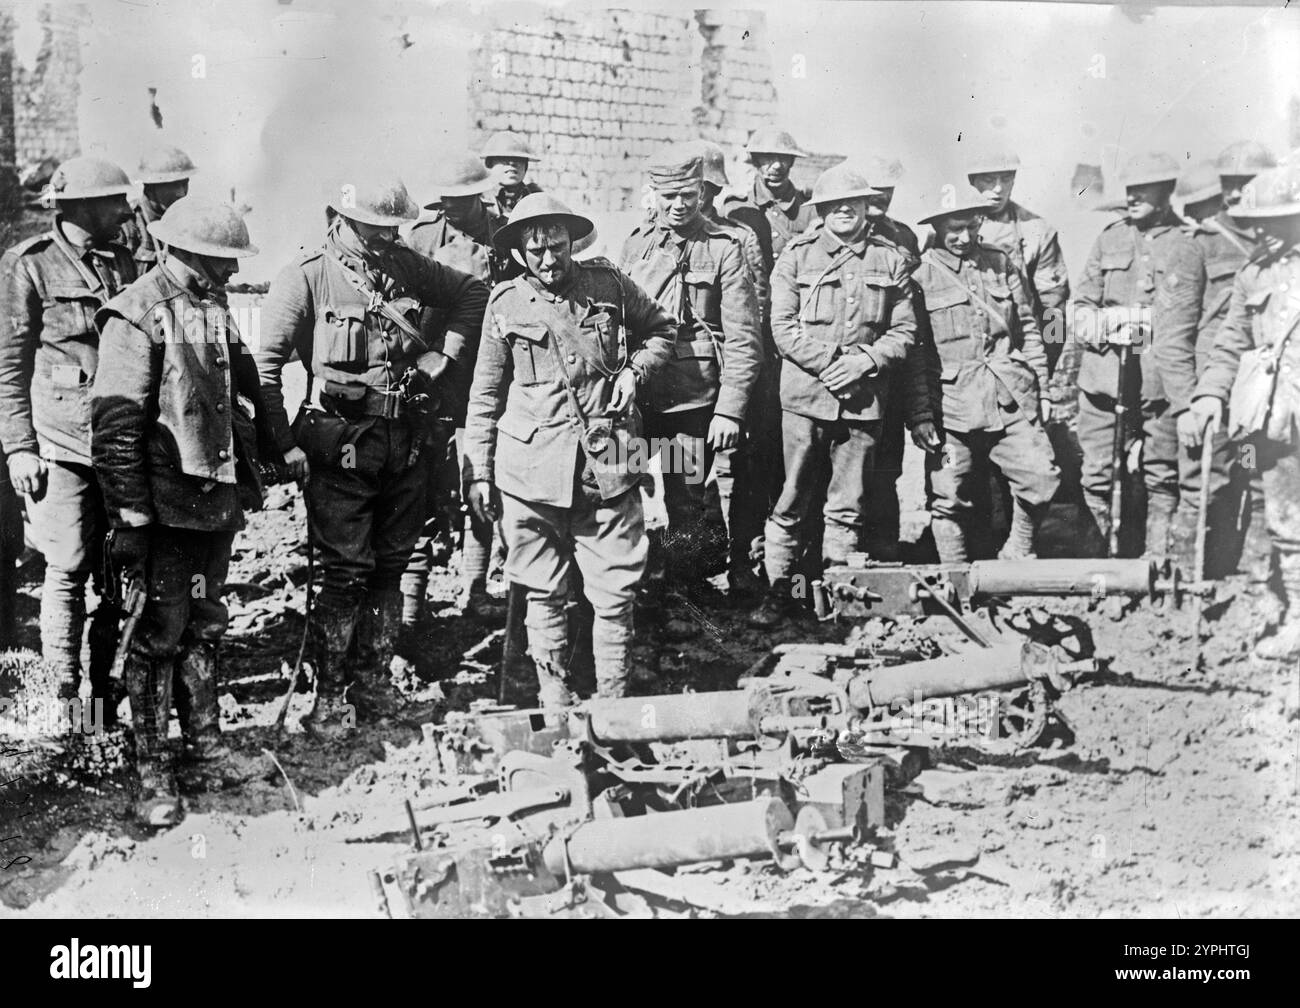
point(1177, 797)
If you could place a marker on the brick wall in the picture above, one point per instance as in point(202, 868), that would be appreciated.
point(45, 91)
point(596, 92)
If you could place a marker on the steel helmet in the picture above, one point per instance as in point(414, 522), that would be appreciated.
point(461, 175)
point(1245, 157)
point(992, 157)
point(1198, 182)
point(88, 178)
point(1144, 169)
point(840, 182)
point(884, 173)
point(164, 164)
point(536, 206)
point(770, 140)
point(1271, 193)
point(715, 164)
point(205, 227)
point(969, 201)
point(378, 200)
point(507, 145)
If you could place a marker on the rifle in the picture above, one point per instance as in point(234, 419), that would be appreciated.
point(133, 599)
point(1118, 471)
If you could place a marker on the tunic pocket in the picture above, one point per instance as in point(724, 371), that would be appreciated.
point(528, 352)
point(341, 335)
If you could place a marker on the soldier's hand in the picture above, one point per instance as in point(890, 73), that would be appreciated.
point(27, 473)
point(1189, 429)
point(129, 549)
point(845, 371)
point(295, 462)
point(624, 393)
point(724, 432)
point(481, 497)
point(926, 436)
point(1208, 411)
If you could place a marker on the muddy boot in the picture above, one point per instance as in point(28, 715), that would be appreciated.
point(1160, 517)
point(1284, 644)
point(743, 585)
point(104, 630)
point(208, 764)
point(332, 717)
point(1025, 519)
point(778, 605)
point(477, 604)
point(378, 626)
point(149, 685)
point(949, 540)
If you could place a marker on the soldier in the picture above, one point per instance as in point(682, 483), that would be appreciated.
point(842, 318)
point(552, 412)
point(164, 177)
point(882, 532)
point(178, 455)
point(1236, 491)
point(696, 271)
point(1255, 367)
point(352, 311)
point(458, 234)
point(775, 208)
point(994, 381)
point(508, 158)
point(50, 288)
point(749, 475)
point(1142, 286)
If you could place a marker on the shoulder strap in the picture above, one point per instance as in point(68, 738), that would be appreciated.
point(88, 277)
point(1219, 229)
point(987, 307)
point(375, 302)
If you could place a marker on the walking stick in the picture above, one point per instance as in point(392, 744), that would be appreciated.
point(1202, 521)
point(1118, 472)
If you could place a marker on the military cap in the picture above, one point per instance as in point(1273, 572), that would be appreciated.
point(164, 163)
point(1245, 157)
point(1198, 182)
point(507, 145)
point(1144, 169)
point(537, 207)
point(88, 178)
point(676, 165)
point(991, 157)
point(1271, 193)
point(715, 164)
point(884, 173)
point(205, 227)
point(770, 140)
point(969, 201)
point(380, 200)
point(840, 182)
point(460, 175)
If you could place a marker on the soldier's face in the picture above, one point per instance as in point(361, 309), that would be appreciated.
point(679, 206)
point(1203, 209)
point(844, 218)
point(996, 186)
point(878, 206)
point(548, 253)
point(459, 208)
point(773, 169)
point(375, 238)
point(1232, 186)
point(164, 194)
point(1144, 202)
point(221, 269)
point(105, 215)
point(959, 233)
point(508, 171)
point(1278, 233)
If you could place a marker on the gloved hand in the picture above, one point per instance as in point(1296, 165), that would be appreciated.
point(129, 549)
point(483, 501)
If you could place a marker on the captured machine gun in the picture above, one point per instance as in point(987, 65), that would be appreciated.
point(862, 587)
point(789, 765)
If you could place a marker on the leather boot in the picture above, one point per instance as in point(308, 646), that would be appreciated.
point(332, 716)
point(379, 625)
point(209, 763)
point(778, 605)
point(1025, 519)
point(149, 685)
point(949, 539)
point(1160, 516)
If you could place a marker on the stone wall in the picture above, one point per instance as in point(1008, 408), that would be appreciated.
point(45, 64)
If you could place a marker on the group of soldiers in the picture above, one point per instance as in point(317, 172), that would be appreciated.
point(772, 347)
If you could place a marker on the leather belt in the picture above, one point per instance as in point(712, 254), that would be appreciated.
point(372, 402)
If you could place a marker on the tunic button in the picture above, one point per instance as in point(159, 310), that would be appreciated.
point(221, 407)
point(223, 455)
point(573, 358)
